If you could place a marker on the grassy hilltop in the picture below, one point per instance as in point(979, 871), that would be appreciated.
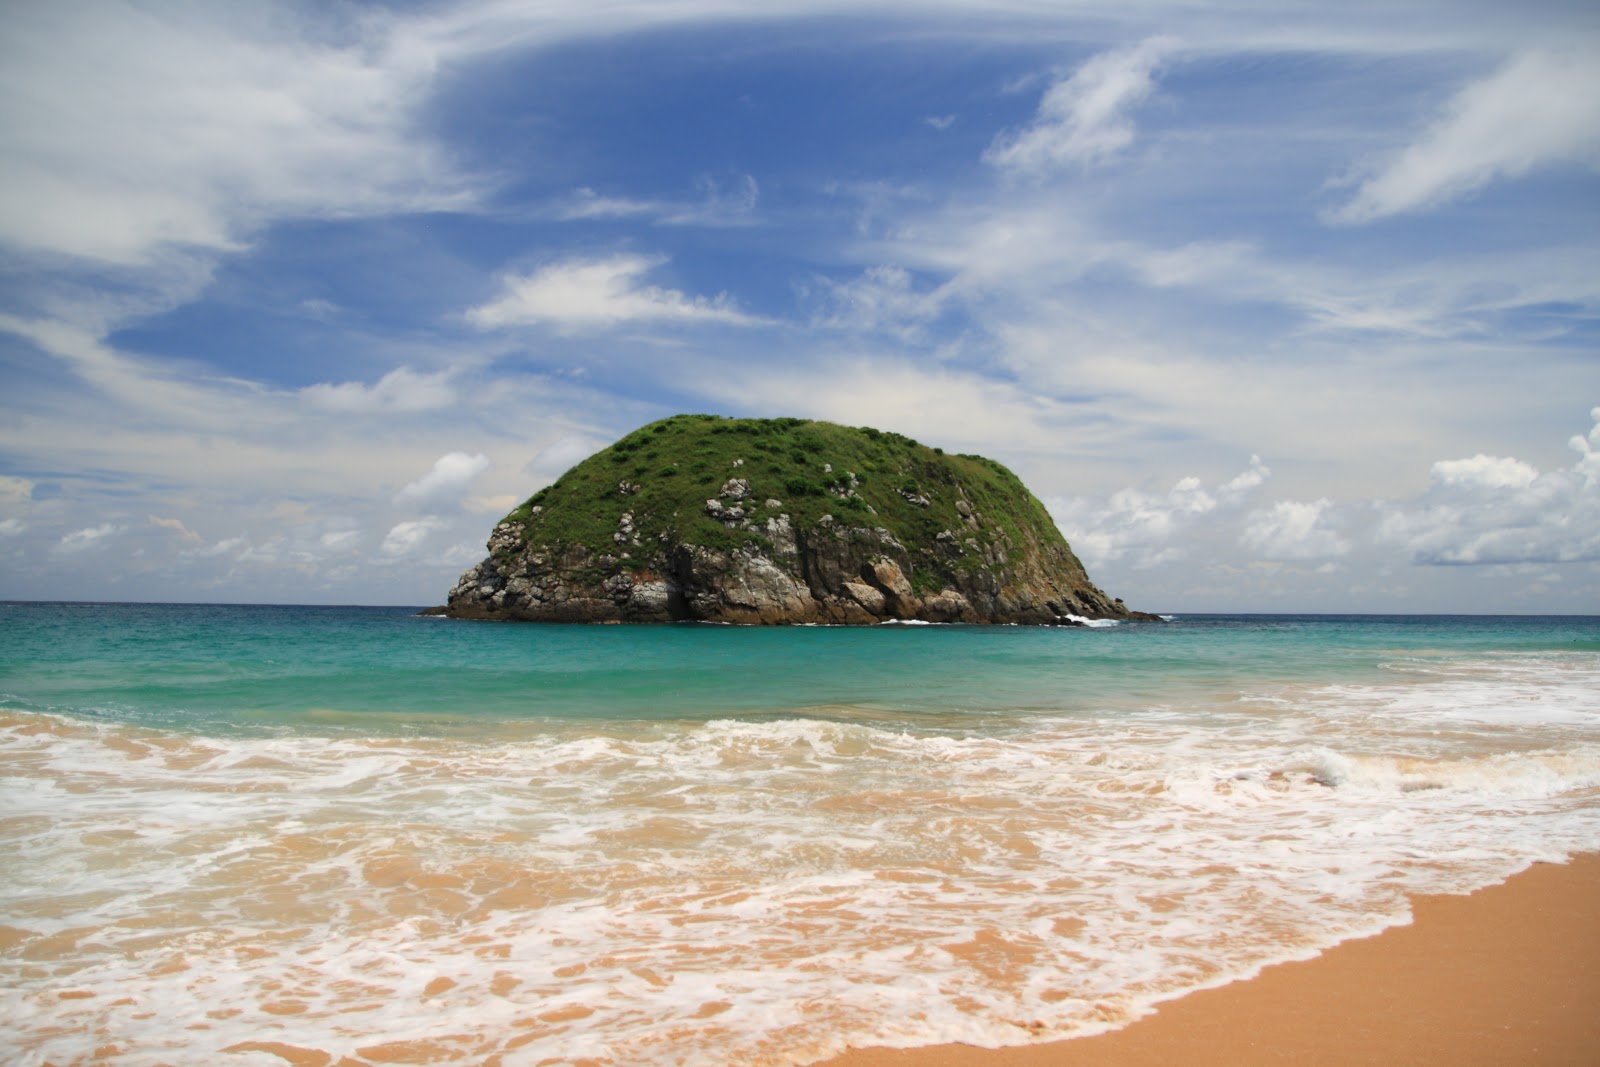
point(858, 475)
point(779, 521)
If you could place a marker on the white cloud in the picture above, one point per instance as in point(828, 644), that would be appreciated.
point(882, 299)
point(402, 389)
point(462, 555)
point(1143, 526)
point(1245, 481)
point(1294, 529)
point(1084, 119)
point(177, 527)
point(588, 204)
point(563, 453)
point(449, 477)
point(130, 128)
point(955, 409)
point(1541, 108)
point(339, 540)
point(229, 546)
point(1487, 472)
point(717, 206)
point(734, 205)
point(88, 537)
point(596, 294)
point(11, 527)
point(405, 538)
point(1493, 510)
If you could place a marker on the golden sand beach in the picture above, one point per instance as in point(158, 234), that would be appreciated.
point(1509, 976)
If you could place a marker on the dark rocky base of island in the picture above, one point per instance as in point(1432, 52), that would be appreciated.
point(780, 521)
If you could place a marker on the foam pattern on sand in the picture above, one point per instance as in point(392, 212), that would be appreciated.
point(753, 892)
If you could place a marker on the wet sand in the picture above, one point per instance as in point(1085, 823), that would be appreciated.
point(1508, 975)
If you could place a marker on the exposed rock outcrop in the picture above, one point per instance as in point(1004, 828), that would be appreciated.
point(780, 521)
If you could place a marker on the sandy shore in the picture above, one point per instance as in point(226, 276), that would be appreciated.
point(1509, 975)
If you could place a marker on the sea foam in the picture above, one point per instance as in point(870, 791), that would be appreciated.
point(759, 892)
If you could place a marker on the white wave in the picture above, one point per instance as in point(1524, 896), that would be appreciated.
point(757, 892)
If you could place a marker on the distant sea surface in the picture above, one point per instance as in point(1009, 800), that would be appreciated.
point(269, 835)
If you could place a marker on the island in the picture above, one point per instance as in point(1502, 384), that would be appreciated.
point(780, 521)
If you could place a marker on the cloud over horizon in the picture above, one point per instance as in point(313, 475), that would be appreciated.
point(1497, 510)
point(294, 300)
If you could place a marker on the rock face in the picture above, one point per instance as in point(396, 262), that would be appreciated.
point(698, 517)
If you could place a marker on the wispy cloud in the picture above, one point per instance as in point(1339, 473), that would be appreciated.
point(1085, 118)
point(596, 294)
point(1541, 108)
point(448, 478)
point(88, 537)
point(405, 538)
point(177, 527)
point(400, 390)
point(882, 299)
point(261, 116)
point(731, 204)
point(242, 238)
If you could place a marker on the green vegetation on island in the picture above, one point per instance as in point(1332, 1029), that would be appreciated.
point(779, 520)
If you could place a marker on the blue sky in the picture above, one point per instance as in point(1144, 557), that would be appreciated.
point(1276, 306)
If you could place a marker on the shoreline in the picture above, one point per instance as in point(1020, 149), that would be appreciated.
point(1509, 975)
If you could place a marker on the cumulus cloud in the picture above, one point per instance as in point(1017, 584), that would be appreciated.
point(1542, 107)
point(1084, 119)
point(88, 537)
point(1144, 526)
point(1485, 472)
point(1294, 529)
point(594, 294)
point(405, 538)
point(449, 477)
point(11, 527)
point(1498, 510)
point(402, 389)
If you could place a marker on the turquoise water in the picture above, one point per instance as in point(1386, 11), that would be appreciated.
point(216, 668)
point(361, 833)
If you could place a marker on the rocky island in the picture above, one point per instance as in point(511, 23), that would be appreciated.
point(700, 517)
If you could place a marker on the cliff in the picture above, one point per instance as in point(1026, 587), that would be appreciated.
point(780, 521)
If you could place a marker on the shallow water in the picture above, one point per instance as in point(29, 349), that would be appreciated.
point(244, 833)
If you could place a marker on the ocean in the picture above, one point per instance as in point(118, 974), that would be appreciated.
point(306, 835)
